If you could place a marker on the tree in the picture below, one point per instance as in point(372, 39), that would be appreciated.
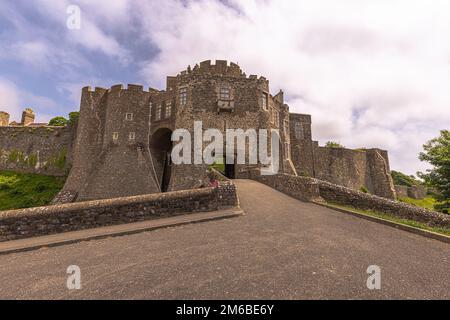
point(437, 153)
point(58, 122)
point(73, 117)
point(403, 179)
point(333, 144)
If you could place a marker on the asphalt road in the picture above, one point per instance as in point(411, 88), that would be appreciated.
point(281, 249)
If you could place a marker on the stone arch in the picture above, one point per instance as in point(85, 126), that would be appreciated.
point(160, 149)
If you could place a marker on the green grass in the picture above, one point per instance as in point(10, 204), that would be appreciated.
point(19, 190)
point(426, 203)
point(218, 165)
point(389, 217)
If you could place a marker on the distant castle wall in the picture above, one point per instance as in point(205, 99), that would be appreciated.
point(355, 169)
point(43, 150)
point(350, 168)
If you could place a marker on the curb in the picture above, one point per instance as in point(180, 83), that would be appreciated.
point(397, 225)
point(64, 238)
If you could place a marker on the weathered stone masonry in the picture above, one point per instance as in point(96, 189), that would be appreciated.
point(121, 146)
point(43, 150)
point(17, 224)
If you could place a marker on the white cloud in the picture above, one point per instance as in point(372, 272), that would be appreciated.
point(14, 100)
point(371, 73)
point(9, 99)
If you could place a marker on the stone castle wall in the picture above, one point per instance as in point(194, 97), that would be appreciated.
point(43, 150)
point(111, 153)
point(122, 144)
point(356, 169)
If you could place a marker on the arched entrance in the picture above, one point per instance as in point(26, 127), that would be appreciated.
point(161, 148)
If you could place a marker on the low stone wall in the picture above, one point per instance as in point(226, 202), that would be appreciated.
point(302, 188)
point(227, 194)
point(24, 223)
point(341, 195)
point(310, 189)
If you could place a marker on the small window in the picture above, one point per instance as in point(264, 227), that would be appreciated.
point(264, 101)
point(115, 136)
point(224, 93)
point(131, 136)
point(129, 116)
point(168, 109)
point(298, 130)
point(275, 117)
point(183, 96)
point(158, 113)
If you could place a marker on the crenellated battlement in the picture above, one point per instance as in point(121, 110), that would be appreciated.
point(220, 68)
point(119, 87)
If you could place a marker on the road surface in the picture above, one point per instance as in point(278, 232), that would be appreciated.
point(281, 249)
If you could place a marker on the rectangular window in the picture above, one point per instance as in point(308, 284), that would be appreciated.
point(275, 117)
point(286, 127)
point(158, 113)
point(129, 116)
point(224, 93)
point(183, 96)
point(264, 101)
point(115, 136)
point(298, 130)
point(168, 109)
point(132, 136)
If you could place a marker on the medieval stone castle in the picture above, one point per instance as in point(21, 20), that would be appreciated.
point(121, 144)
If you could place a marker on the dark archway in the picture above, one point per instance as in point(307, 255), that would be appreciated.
point(161, 148)
point(229, 168)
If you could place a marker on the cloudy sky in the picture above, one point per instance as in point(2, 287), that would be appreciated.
point(370, 72)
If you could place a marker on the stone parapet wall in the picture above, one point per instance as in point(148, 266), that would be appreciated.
point(360, 200)
point(24, 223)
point(302, 188)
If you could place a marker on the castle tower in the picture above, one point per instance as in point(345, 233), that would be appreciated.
point(4, 119)
point(27, 117)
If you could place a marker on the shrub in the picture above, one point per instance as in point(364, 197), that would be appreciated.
point(363, 189)
point(333, 144)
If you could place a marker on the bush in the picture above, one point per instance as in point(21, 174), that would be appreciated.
point(364, 189)
point(333, 144)
point(58, 122)
point(402, 179)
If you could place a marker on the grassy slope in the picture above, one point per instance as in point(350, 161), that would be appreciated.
point(27, 190)
point(426, 203)
point(391, 217)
